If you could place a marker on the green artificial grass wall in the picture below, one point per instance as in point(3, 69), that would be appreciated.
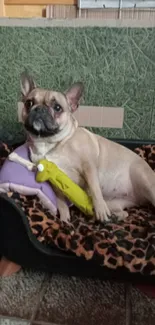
point(117, 66)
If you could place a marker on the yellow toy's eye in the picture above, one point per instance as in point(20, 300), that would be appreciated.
point(40, 167)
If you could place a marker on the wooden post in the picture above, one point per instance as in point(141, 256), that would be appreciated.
point(40, 2)
point(2, 8)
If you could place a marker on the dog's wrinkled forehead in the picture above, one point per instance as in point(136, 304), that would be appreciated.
point(69, 100)
point(48, 97)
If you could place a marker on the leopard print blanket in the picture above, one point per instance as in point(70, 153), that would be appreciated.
point(129, 243)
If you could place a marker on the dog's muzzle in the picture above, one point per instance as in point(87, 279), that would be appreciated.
point(40, 122)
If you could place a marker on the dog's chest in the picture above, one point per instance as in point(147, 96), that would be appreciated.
point(64, 161)
point(66, 164)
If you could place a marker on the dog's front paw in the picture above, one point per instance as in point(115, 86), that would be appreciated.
point(102, 211)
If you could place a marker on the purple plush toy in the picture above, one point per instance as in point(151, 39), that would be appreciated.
point(16, 178)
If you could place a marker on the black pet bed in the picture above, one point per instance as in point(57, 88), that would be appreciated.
point(32, 238)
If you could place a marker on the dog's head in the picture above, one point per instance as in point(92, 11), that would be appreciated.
point(46, 112)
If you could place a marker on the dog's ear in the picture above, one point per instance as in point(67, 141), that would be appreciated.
point(26, 83)
point(74, 95)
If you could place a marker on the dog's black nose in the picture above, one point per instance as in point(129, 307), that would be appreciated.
point(40, 109)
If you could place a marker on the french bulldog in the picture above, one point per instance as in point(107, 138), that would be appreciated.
point(115, 177)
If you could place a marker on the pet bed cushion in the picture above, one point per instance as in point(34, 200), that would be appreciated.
point(127, 245)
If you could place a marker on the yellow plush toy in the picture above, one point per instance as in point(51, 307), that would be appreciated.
point(48, 171)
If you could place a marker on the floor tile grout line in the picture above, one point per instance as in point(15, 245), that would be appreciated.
point(40, 296)
point(14, 318)
point(44, 323)
point(34, 322)
point(128, 305)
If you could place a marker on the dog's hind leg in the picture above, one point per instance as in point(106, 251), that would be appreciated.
point(143, 182)
point(117, 206)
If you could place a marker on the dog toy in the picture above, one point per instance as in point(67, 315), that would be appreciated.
point(48, 171)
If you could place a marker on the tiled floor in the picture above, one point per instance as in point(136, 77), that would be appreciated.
point(33, 298)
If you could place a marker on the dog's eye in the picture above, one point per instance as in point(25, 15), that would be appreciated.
point(57, 108)
point(29, 103)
